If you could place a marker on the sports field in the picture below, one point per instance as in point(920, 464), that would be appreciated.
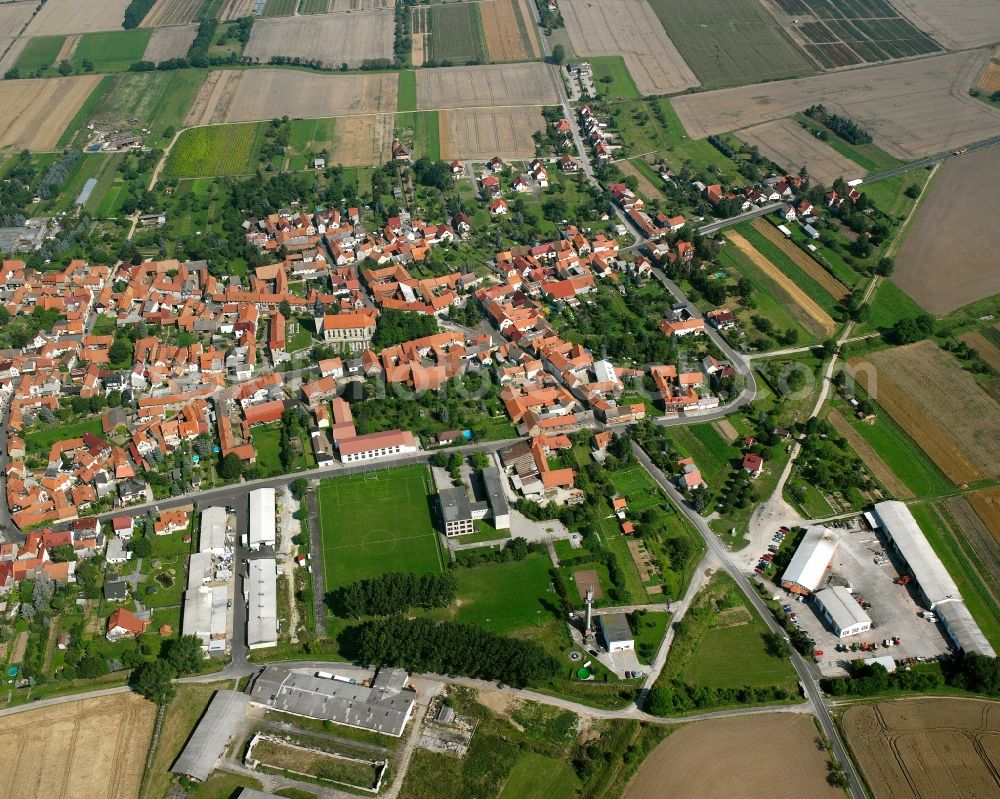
point(376, 523)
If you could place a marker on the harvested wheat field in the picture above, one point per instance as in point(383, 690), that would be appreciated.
point(956, 24)
point(989, 78)
point(260, 94)
point(11, 50)
point(830, 284)
point(78, 16)
point(497, 85)
point(883, 473)
point(332, 39)
point(986, 504)
point(481, 134)
point(984, 347)
point(38, 111)
point(938, 404)
point(166, 43)
point(912, 109)
point(948, 230)
point(362, 141)
point(171, 12)
point(646, 187)
point(805, 308)
point(755, 756)
point(791, 146)
point(361, 5)
point(631, 29)
point(503, 34)
point(927, 748)
point(86, 749)
point(234, 9)
point(13, 17)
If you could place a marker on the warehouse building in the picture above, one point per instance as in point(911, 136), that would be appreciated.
point(262, 603)
point(213, 531)
point(262, 515)
point(808, 565)
point(385, 706)
point(615, 632)
point(208, 742)
point(841, 611)
point(206, 605)
point(497, 498)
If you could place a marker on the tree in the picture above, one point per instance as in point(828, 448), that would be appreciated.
point(558, 54)
point(231, 467)
point(120, 351)
point(62, 554)
point(142, 547)
point(299, 487)
point(285, 309)
point(480, 460)
point(776, 645)
point(154, 680)
point(184, 654)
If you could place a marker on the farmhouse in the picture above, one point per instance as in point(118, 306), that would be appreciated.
point(808, 565)
point(842, 612)
point(125, 624)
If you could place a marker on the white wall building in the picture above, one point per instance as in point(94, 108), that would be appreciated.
point(213, 531)
point(808, 565)
point(262, 519)
point(841, 611)
point(262, 603)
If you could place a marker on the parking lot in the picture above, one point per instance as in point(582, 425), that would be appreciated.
point(894, 609)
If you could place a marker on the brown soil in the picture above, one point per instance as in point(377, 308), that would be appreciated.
point(833, 287)
point(984, 347)
point(171, 12)
point(725, 429)
point(765, 755)
point(20, 645)
point(885, 475)
point(791, 146)
point(167, 43)
point(68, 48)
point(646, 188)
point(419, 47)
point(977, 517)
point(503, 36)
point(926, 747)
point(528, 17)
point(36, 112)
point(330, 38)
point(986, 504)
point(588, 578)
point(234, 9)
point(501, 85)
point(989, 79)
point(818, 320)
point(483, 133)
point(57, 17)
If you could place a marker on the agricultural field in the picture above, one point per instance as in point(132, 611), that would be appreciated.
point(630, 29)
point(791, 146)
point(91, 747)
point(510, 30)
point(882, 471)
point(167, 43)
point(731, 42)
point(13, 17)
point(115, 51)
point(947, 229)
point(40, 110)
point(154, 100)
point(422, 130)
point(957, 26)
point(481, 134)
point(362, 140)
point(279, 8)
point(807, 265)
point(926, 747)
point(987, 349)
point(314, 6)
point(215, 150)
point(769, 754)
point(986, 504)
point(451, 32)
point(261, 94)
point(938, 404)
point(172, 12)
point(332, 39)
point(235, 9)
point(77, 16)
point(500, 85)
point(912, 109)
point(989, 78)
point(39, 53)
point(376, 523)
point(840, 33)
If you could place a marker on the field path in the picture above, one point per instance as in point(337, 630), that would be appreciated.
point(984, 347)
point(823, 322)
point(885, 475)
point(830, 284)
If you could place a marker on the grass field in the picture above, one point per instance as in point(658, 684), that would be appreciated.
point(39, 53)
point(621, 83)
point(41, 440)
point(505, 597)
point(731, 42)
point(870, 157)
point(712, 455)
point(406, 91)
point(456, 33)
point(426, 135)
point(280, 8)
point(115, 51)
point(714, 665)
point(156, 100)
point(538, 777)
point(373, 526)
point(314, 6)
point(215, 150)
point(888, 305)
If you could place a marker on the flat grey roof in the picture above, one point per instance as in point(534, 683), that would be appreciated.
point(262, 603)
point(222, 719)
point(842, 607)
point(495, 492)
point(455, 504)
point(963, 629)
point(898, 523)
point(213, 529)
point(262, 512)
point(615, 627)
point(383, 707)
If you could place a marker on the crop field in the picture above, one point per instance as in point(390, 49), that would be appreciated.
point(372, 526)
point(791, 146)
point(926, 747)
point(449, 32)
point(332, 39)
point(215, 150)
point(840, 33)
point(10, 51)
point(628, 28)
point(359, 5)
point(260, 94)
point(731, 42)
point(39, 53)
point(510, 30)
point(280, 8)
point(989, 78)
point(809, 313)
point(911, 109)
point(976, 517)
point(767, 754)
point(38, 111)
point(77, 16)
point(938, 404)
point(481, 134)
point(882, 471)
point(945, 230)
point(986, 504)
point(957, 26)
point(114, 51)
point(314, 6)
point(166, 43)
point(77, 750)
point(13, 17)
point(156, 100)
point(362, 141)
point(986, 349)
point(234, 9)
point(800, 259)
point(171, 12)
point(499, 85)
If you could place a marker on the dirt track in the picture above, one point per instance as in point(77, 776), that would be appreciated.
point(830, 284)
point(885, 475)
point(791, 146)
point(38, 111)
point(752, 757)
point(813, 316)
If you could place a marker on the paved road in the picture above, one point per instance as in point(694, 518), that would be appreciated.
point(934, 159)
point(753, 213)
point(5, 521)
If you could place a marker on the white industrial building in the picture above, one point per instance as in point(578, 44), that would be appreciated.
point(213, 531)
point(262, 603)
point(262, 519)
point(842, 612)
point(206, 605)
point(615, 632)
point(933, 583)
point(808, 565)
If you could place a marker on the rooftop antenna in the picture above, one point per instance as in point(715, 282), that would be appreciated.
point(590, 610)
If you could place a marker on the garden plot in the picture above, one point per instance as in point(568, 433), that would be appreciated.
point(481, 134)
point(912, 109)
point(791, 147)
point(38, 111)
point(171, 12)
point(260, 94)
point(167, 43)
point(78, 16)
point(499, 85)
point(332, 39)
point(628, 28)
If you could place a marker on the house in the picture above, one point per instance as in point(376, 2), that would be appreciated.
point(116, 552)
point(499, 207)
point(123, 527)
point(125, 624)
point(684, 327)
point(753, 464)
point(115, 591)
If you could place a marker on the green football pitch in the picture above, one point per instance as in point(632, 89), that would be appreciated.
point(376, 523)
